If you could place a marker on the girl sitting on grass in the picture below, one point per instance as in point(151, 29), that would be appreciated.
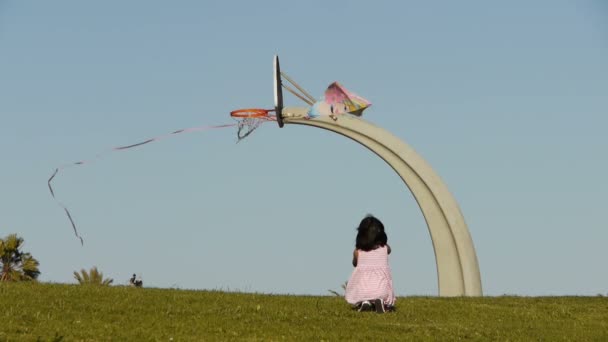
point(371, 283)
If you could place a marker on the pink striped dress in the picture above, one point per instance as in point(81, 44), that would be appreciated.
point(371, 279)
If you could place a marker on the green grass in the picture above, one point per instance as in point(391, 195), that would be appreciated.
point(57, 312)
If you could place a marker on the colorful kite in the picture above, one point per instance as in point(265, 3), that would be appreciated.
point(338, 100)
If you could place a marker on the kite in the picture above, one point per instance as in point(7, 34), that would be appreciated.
point(338, 100)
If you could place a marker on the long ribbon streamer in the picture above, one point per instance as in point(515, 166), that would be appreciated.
point(119, 148)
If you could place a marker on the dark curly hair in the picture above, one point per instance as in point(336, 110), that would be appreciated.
point(370, 234)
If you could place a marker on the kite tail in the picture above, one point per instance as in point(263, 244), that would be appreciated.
point(67, 212)
point(113, 149)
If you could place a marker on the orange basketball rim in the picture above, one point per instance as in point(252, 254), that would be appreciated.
point(251, 113)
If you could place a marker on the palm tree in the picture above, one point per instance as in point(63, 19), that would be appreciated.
point(92, 277)
point(16, 265)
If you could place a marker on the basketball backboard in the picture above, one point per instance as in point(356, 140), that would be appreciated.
point(278, 91)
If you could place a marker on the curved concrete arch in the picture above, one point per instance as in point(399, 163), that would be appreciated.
point(457, 267)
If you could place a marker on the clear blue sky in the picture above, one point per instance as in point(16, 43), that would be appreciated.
point(507, 101)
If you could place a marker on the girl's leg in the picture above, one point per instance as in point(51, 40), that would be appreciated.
point(379, 306)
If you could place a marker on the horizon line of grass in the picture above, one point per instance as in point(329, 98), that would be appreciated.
point(54, 312)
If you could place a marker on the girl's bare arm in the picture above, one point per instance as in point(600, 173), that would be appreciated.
point(355, 257)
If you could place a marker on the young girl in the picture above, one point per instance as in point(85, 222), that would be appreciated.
point(371, 283)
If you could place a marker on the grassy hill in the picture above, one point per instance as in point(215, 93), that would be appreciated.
point(57, 312)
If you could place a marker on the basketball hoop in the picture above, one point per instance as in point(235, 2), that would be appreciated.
point(249, 119)
point(250, 113)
